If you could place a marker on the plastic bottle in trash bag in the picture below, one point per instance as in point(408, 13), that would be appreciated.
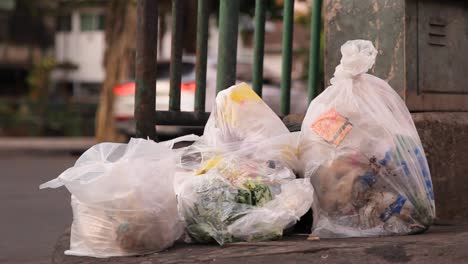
point(123, 199)
point(363, 155)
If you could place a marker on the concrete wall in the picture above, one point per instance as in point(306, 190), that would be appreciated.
point(445, 141)
point(379, 21)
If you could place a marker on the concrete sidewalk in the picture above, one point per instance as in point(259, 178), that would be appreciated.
point(441, 244)
point(45, 144)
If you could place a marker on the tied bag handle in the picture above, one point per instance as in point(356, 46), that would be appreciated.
point(95, 159)
point(81, 167)
point(358, 56)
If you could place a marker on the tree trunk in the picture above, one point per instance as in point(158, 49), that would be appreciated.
point(120, 36)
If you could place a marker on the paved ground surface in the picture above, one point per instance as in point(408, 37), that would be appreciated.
point(45, 145)
point(441, 244)
point(30, 219)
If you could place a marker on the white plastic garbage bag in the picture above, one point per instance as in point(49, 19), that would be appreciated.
point(242, 199)
point(363, 155)
point(241, 116)
point(241, 121)
point(123, 199)
point(238, 181)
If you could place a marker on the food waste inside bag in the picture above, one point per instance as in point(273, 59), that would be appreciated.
point(238, 182)
point(123, 199)
point(362, 153)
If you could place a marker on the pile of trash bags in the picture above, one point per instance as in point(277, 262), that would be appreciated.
point(357, 162)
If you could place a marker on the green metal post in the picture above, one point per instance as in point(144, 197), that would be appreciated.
point(259, 45)
point(176, 54)
point(227, 51)
point(314, 50)
point(202, 54)
point(145, 70)
point(288, 27)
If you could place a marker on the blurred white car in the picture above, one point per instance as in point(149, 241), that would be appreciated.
point(124, 95)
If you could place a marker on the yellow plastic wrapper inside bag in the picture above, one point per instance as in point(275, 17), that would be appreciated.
point(241, 115)
point(242, 122)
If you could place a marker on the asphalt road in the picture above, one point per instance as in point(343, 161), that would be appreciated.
point(31, 220)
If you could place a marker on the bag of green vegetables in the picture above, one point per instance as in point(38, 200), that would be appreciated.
point(238, 182)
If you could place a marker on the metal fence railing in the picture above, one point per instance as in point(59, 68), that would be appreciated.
point(147, 117)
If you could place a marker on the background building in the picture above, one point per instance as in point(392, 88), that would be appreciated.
point(26, 36)
point(79, 41)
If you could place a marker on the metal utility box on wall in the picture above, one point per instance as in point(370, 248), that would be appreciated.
point(422, 44)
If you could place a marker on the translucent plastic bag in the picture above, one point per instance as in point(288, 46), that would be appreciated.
point(123, 199)
point(238, 179)
point(242, 117)
point(270, 220)
point(241, 121)
point(242, 200)
point(362, 153)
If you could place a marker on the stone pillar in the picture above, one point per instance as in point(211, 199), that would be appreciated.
point(382, 22)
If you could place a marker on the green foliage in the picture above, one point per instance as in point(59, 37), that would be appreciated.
point(23, 118)
point(39, 79)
